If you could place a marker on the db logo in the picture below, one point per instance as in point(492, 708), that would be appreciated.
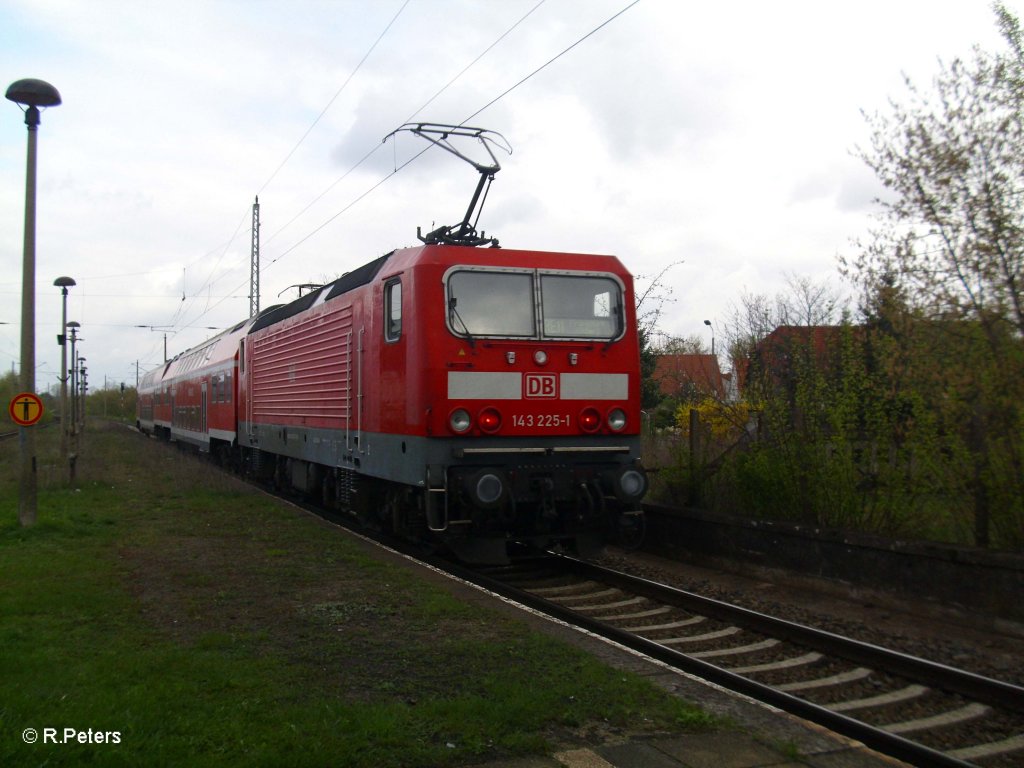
point(541, 385)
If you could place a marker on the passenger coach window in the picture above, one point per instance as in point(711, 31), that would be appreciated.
point(393, 311)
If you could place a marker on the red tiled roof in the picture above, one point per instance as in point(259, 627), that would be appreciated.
point(772, 355)
point(675, 372)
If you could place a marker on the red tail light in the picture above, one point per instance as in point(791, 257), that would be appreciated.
point(590, 420)
point(489, 420)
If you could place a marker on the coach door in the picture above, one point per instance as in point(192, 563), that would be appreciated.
point(392, 383)
point(202, 410)
point(245, 391)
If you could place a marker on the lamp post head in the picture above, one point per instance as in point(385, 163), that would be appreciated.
point(74, 324)
point(64, 283)
point(707, 323)
point(32, 93)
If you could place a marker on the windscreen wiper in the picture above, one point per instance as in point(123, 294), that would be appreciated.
point(454, 313)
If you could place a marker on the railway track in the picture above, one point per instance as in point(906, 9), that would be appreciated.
point(909, 708)
point(14, 433)
point(924, 713)
point(918, 711)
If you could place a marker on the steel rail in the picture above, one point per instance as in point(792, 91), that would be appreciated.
point(875, 738)
point(973, 686)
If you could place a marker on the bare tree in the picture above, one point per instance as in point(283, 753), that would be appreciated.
point(805, 303)
point(809, 303)
point(651, 301)
point(953, 161)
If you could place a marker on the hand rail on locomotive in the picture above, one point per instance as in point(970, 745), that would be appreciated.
point(463, 233)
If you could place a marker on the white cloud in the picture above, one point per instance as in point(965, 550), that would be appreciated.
point(720, 135)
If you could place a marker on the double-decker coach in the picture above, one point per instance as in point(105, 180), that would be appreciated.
point(192, 397)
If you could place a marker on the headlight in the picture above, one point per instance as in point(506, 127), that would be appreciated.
point(459, 421)
point(617, 420)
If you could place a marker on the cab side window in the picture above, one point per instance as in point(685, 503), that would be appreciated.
point(393, 310)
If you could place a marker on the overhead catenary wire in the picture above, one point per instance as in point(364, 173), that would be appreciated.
point(352, 203)
point(373, 150)
point(284, 162)
point(491, 103)
point(337, 93)
point(549, 62)
point(376, 147)
point(360, 162)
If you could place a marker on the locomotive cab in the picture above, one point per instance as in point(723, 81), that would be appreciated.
point(532, 371)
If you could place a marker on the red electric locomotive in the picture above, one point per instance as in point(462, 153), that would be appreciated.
point(471, 396)
point(483, 396)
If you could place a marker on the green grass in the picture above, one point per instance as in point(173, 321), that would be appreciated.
point(207, 624)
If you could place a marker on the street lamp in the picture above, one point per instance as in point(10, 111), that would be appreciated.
point(708, 324)
point(63, 283)
point(31, 94)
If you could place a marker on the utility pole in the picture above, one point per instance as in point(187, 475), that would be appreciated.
point(84, 382)
point(64, 283)
point(73, 326)
point(254, 264)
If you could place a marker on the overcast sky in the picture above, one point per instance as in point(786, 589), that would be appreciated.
point(721, 135)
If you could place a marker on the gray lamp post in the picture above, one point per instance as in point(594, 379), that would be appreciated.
point(708, 324)
point(31, 94)
point(63, 283)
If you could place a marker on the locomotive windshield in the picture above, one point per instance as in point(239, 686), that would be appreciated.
point(579, 307)
point(514, 304)
point(491, 304)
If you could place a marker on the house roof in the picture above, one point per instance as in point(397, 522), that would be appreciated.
point(774, 353)
point(818, 337)
point(674, 373)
